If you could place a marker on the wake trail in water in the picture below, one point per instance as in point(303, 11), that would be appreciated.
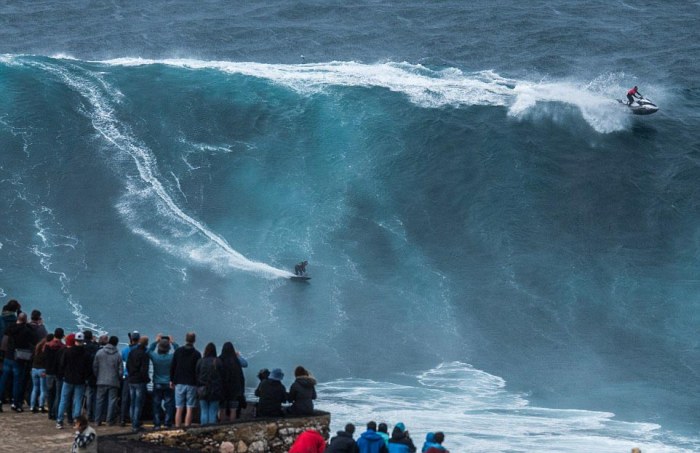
point(214, 251)
point(427, 87)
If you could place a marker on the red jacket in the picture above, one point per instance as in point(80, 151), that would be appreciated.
point(633, 91)
point(309, 441)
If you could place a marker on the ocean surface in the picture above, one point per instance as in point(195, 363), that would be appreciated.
point(498, 249)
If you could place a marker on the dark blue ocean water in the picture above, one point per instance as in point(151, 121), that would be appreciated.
point(498, 249)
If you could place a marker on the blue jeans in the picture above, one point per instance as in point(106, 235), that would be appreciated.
point(163, 396)
point(208, 411)
point(71, 393)
point(15, 369)
point(137, 393)
point(125, 402)
point(106, 392)
point(38, 397)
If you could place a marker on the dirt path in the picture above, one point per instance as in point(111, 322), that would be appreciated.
point(27, 432)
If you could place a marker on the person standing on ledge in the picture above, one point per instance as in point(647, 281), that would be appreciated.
point(183, 378)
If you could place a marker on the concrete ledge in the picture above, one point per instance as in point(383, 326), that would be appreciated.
point(261, 435)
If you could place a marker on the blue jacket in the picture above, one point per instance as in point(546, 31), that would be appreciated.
point(161, 363)
point(125, 357)
point(371, 442)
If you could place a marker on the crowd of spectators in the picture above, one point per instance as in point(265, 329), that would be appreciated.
point(68, 376)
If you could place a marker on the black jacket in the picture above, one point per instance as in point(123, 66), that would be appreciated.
point(343, 443)
point(233, 379)
point(19, 336)
point(272, 394)
point(183, 369)
point(209, 371)
point(92, 349)
point(137, 366)
point(301, 395)
point(75, 365)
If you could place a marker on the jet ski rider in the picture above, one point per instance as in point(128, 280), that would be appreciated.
point(631, 95)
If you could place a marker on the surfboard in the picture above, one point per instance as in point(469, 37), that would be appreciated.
point(300, 278)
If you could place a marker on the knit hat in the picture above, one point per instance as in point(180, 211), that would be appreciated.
point(134, 336)
point(276, 375)
point(400, 426)
point(70, 340)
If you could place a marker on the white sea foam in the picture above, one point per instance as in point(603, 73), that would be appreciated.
point(50, 241)
point(425, 87)
point(478, 414)
point(147, 205)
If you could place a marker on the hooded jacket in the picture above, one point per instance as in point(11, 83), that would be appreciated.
point(371, 442)
point(52, 356)
point(272, 394)
point(310, 441)
point(161, 363)
point(400, 442)
point(76, 366)
point(183, 369)
point(342, 443)
point(301, 395)
point(108, 366)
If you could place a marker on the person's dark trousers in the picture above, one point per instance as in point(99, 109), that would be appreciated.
point(90, 398)
point(51, 387)
point(55, 397)
point(14, 369)
point(163, 404)
point(138, 395)
point(125, 402)
point(106, 399)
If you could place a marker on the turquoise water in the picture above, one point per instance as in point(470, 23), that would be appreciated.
point(494, 242)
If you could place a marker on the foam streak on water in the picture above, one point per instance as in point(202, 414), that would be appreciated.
point(478, 414)
point(178, 232)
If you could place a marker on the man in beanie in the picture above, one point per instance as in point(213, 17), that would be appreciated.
point(108, 369)
point(77, 367)
point(272, 394)
point(163, 396)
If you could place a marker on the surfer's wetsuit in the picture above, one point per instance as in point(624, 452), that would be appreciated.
point(630, 95)
point(300, 269)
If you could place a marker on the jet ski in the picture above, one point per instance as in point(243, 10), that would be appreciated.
point(641, 106)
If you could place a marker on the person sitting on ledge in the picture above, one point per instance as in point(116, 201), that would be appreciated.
point(272, 394)
point(302, 392)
